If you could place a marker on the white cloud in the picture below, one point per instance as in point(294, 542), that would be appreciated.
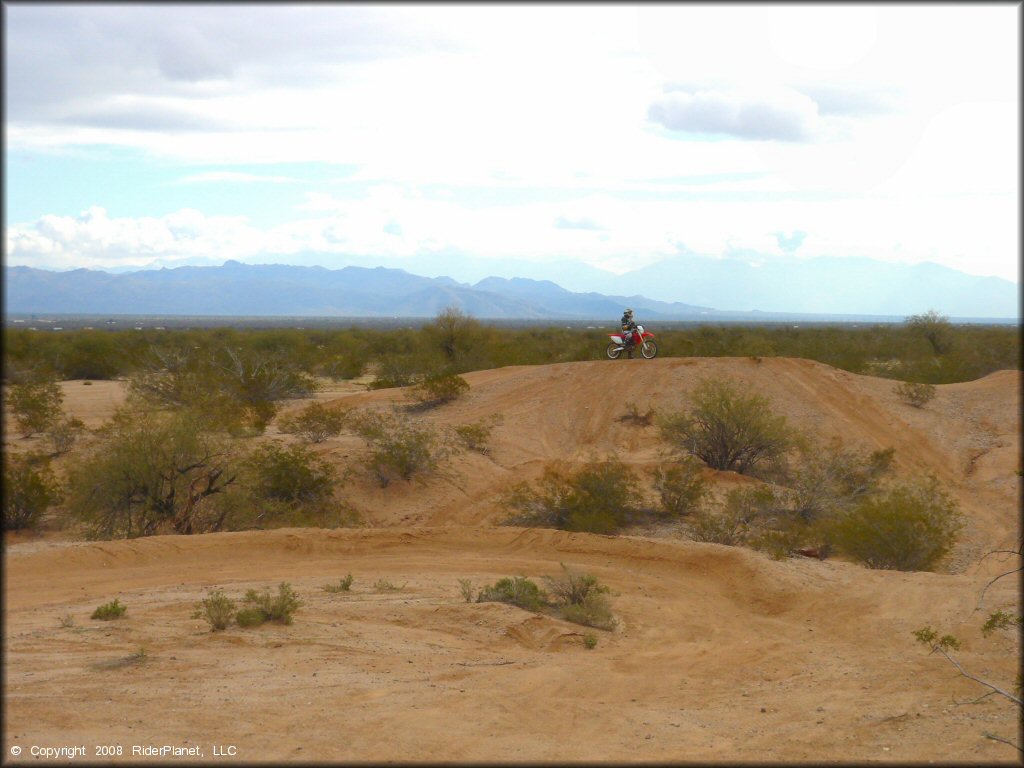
point(782, 114)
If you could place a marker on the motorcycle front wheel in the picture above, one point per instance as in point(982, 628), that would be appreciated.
point(613, 351)
point(648, 349)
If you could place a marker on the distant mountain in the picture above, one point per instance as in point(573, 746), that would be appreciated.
point(721, 289)
point(831, 285)
point(275, 289)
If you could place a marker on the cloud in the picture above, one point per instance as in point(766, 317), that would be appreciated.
point(583, 222)
point(840, 100)
point(790, 243)
point(234, 177)
point(780, 114)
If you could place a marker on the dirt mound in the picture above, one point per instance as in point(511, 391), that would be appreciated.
point(718, 654)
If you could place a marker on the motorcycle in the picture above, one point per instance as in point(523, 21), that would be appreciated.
point(642, 340)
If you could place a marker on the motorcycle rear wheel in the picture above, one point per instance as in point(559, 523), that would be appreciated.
point(649, 349)
point(613, 351)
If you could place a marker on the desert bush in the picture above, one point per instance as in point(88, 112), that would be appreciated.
point(67, 621)
point(433, 390)
point(600, 497)
point(476, 436)
point(917, 395)
point(400, 448)
point(826, 479)
point(35, 404)
point(590, 641)
point(518, 591)
point(907, 527)
point(262, 606)
point(722, 525)
point(151, 473)
point(109, 611)
point(30, 488)
point(64, 433)
point(681, 488)
point(217, 608)
point(633, 416)
point(581, 599)
point(385, 585)
point(466, 590)
point(291, 474)
point(727, 429)
point(314, 423)
point(343, 585)
point(935, 328)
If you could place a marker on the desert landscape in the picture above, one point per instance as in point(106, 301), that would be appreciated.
point(719, 653)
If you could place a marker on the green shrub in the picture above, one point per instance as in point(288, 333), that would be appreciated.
point(905, 527)
point(64, 433)
point(314, 423)
point(727, 429)
point(400, 448)
point(600, 497)
point(590, 641)
point(344, 585)
point(262, 606)
point(724, 525)
point(476, 436)
point(109, 611)
point(217, 608)
point(437, 389)
point(518, 591)
point(466, 589)
point(681, 488)
point(36, 405)
point(917, 395)
point(30, 488)
point(935, 328)
point(292, 474)
point(151, 473)
point(829, 479)
point(581, 599)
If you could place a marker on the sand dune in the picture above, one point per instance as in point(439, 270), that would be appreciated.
point(719, 654)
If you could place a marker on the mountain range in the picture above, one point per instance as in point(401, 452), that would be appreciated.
point(720, 288)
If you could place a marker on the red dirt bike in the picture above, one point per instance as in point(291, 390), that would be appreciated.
point(642, 340)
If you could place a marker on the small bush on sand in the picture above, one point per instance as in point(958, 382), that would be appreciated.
point(600, 497)
point(915, 394)
point(400, 448)
point(681, 488)
point(476, 436)
point(518, 591)
point(633, 416)
point(433, 390)
point(64, 433)
point(727, 429)
point(590, 641)
point(905, 528)
point(36, 405)
point(344, 585)
point(109, 611)
point(262, 606)
point(466, 590)
point(314, 423)
point(217, 608)
point(385, 585)
point(30, 488)
point(581, 599)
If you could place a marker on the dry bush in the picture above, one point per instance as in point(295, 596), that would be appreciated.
point(433, 390)
point(681, 488)
point(600, 497)
point(581, 599)
point(35, 404)
point(109, 611)
point(263, 607)
point(344, 585)
point(917, 395)
point(727, 429)
point(217, 608)
point(400, 448)
point(30, 488)
point(64, 433)
point(476, 436)
point(314, 423)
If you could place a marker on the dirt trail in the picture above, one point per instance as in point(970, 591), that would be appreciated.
point(720, 654)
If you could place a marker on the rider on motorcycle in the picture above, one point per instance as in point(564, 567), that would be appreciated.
point(628, 328)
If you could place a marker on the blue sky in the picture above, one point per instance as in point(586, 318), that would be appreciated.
point(608, 137)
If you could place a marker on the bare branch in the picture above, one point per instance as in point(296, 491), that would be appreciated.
point(969, 676)
point(1005, 741)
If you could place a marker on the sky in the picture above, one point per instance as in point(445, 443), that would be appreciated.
point(471, 140)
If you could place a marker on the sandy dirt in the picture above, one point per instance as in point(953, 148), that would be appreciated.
point(719, 654)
